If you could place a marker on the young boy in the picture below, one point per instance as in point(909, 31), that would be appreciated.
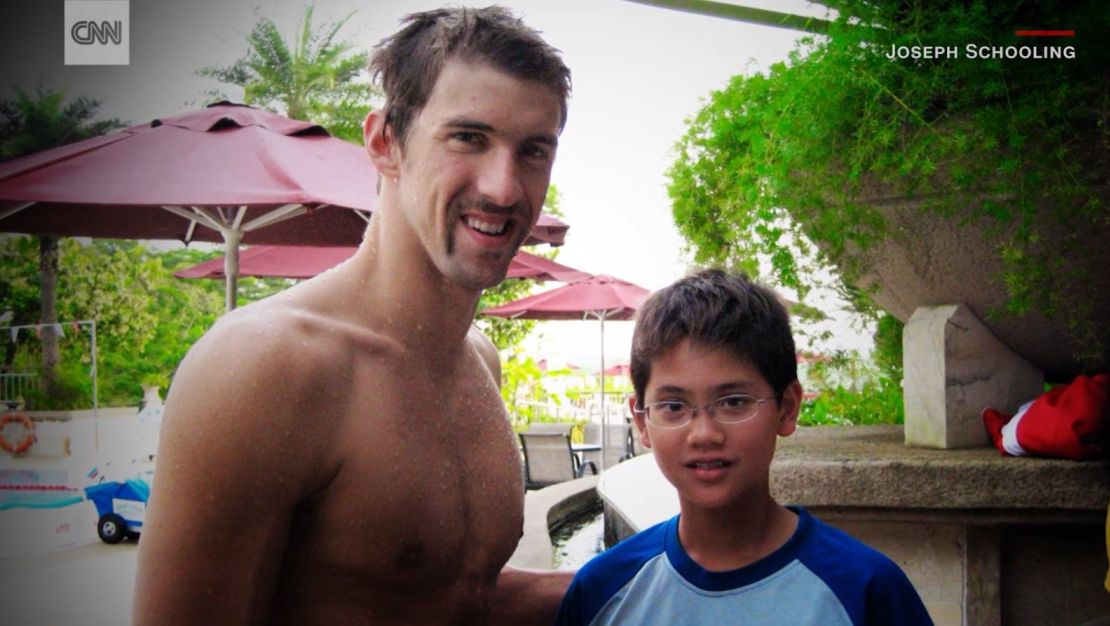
point(716, 383)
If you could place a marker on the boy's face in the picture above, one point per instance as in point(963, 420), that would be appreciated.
point(715, 465)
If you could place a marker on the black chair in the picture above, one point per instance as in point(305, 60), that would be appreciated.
point(549, 459)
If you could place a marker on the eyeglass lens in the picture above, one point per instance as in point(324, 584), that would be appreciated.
point(729, 409)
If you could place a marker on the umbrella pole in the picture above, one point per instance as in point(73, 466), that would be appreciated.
point(601, 407)
point(231, 267)
point(96, 403)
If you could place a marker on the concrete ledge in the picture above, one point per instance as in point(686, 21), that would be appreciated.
point(65, 416)
point(544, 509)
point(869, 466)
point(35, 531)
point(636, 496)
point(867, 471)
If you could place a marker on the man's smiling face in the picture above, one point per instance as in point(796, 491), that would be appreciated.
point(475, 167)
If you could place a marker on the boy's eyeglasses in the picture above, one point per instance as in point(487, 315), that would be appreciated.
point(730, 409)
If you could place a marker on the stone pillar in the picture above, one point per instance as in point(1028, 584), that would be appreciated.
point(982, 576)
point(953, 368)
point(150, 422)
point(152, 398)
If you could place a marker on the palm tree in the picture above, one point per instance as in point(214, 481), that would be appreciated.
point(29, 125)
point(313, 78)
point(34, 124)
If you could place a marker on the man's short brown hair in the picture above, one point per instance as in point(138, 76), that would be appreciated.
point(408, 63)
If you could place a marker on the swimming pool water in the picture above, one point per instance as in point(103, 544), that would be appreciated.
point(36, 489)
point(10, 499)
point(579, 539)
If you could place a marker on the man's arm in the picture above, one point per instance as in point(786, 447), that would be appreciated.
point(232, 464)
point(522, 596)
point(528, 596)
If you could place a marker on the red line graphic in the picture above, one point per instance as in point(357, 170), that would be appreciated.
point(1045, 33)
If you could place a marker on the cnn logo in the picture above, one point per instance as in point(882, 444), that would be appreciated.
point(97, 32)
point(87, 33)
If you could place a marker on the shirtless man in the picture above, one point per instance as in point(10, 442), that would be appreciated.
point(339, 453)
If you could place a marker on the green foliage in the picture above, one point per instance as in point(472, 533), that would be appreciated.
point(851, 390)
point(314, 77)
point(19, 287)
point(877, 402)
point(888, 346)
point(773, 162)
point(33, 124)
point(29, 125)
point(146, 318)
point(521, 389)
point(504, 333)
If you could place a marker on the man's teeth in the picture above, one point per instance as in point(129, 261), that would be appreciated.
point(489, 228)
point(709, 465)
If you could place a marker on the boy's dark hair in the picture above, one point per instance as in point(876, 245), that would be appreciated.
point(407, 63)
point(715, 309)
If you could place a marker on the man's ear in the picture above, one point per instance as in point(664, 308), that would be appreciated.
point(638, 419)
point(789, 407)
point(381, 144)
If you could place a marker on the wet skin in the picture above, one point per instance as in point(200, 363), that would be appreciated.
point(416, 532)
point(339, 453)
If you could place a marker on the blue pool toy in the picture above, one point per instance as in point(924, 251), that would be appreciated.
point(121, 507)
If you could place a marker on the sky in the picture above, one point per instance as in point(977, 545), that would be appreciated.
point(638, 71)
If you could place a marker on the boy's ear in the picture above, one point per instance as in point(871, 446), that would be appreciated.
point(789, 407)
point(638, 419)
point(381, 144)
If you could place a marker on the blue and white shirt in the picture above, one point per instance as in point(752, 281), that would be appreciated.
point(821, 576)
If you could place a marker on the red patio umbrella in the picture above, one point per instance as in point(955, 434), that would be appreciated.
point(308, 261)
point(526, 265)
point(620, 369)
point(275, 262)
point(599, 297)
point(549, 230)
point(229, 173)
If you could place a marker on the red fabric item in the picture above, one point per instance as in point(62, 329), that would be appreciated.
point(1064, 422)
point(275, 262)
point(994, 421)
point(525, 265)
point(225, 155)
point(600, 297)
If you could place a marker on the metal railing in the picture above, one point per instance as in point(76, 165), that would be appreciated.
point(15, 385)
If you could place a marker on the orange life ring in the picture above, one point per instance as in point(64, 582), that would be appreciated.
point(28, 433)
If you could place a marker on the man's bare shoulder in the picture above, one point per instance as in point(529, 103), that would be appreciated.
point(284, 340)
point(273, 364)
point(487, 351)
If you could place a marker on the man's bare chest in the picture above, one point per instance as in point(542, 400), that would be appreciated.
point(428, 493)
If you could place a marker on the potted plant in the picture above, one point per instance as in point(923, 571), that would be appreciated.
point(925, 177)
